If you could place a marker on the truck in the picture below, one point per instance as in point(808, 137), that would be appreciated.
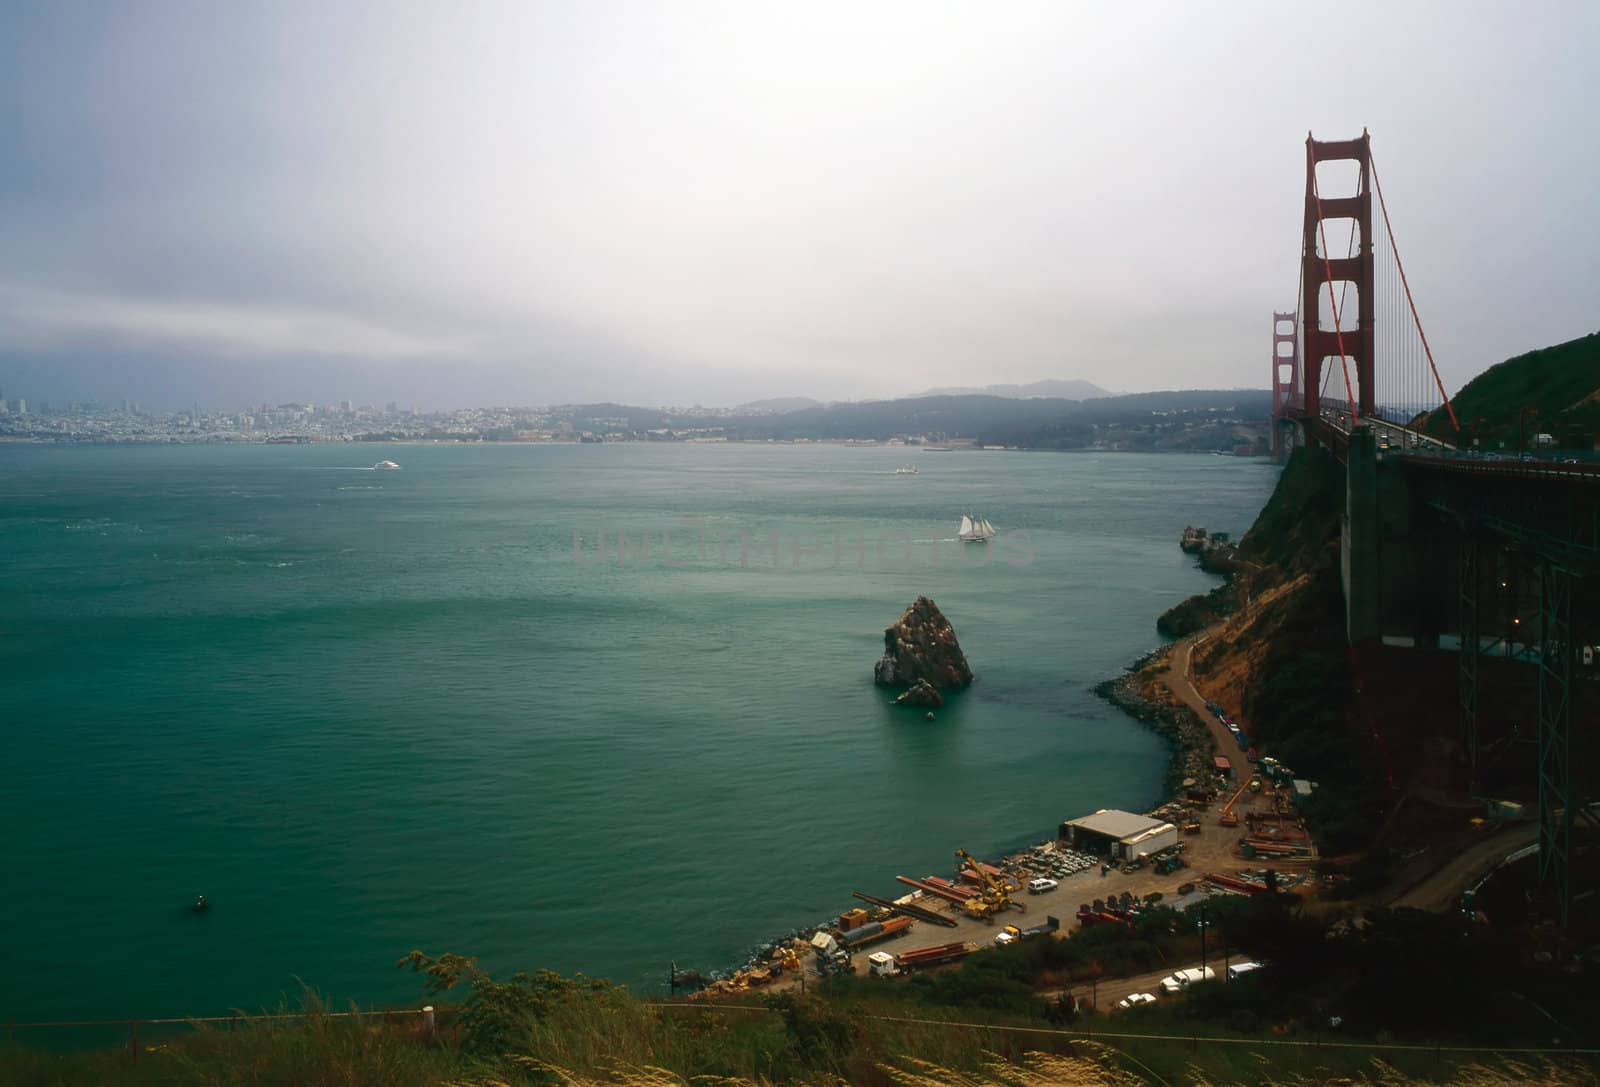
point(931, 956)
point(832, 957)
point(1013, 934)
point(1180, 980)
point(881, 964)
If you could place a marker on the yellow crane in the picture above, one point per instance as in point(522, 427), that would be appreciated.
point(995, 896)
point(1228, 818)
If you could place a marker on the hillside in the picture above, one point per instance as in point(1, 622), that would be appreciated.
point(1561, 384)
point(777, 405)
point(1064, 390)
point(1182, 420)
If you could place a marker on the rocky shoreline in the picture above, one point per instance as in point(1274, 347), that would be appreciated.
point(922, 643)
point(1139, 693)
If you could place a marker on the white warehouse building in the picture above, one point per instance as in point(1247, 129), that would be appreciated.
point(1122, 834)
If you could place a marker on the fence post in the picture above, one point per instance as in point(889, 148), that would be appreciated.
point(133, 1038)
point(428, 1022)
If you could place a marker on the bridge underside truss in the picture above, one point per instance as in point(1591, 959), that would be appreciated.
point(1510, 530)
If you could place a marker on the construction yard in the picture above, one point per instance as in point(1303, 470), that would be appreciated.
point(1234, 821)
point(1207, 860)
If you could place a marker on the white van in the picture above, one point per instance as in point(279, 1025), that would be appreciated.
point(1240, 968)
point(1178, 982)
point(1041, 885)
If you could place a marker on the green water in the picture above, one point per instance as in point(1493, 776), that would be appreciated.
point(365, 712)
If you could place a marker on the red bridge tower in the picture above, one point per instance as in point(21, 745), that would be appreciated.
point(1322, 272)
point(1285, 376)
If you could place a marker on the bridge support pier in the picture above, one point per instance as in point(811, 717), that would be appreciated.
point(1471, 642)
point(1556, 798)
point(1359, 553)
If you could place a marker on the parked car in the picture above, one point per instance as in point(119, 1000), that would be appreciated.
point(1041, 885)
point(1133, 1000)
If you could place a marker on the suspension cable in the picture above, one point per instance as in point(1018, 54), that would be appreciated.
point(1400, 265)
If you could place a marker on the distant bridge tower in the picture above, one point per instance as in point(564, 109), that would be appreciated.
point(1322, 269)
point(1285, 376)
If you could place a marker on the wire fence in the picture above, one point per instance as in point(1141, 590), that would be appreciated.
point(1187, 1039)
point(425, 1020)
point(424, 1017)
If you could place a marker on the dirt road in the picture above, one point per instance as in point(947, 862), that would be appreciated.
point(1442, 889)
point(1177, 680)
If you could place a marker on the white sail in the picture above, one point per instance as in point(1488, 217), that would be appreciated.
point(966, 526)
point(985, 527)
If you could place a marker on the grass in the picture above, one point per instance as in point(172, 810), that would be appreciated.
point(886, 1034)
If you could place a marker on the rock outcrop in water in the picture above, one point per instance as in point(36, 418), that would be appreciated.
point(920, 650)
point(922, 693)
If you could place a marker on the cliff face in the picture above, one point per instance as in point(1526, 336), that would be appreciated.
point(921, 645)
point(1278, 660)
point(1284, 607)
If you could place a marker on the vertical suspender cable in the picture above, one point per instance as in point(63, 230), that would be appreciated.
point(1402, 269)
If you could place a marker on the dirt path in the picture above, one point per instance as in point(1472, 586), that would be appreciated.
point(1177, 680)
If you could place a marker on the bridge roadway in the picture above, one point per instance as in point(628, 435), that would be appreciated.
point(1425, 451)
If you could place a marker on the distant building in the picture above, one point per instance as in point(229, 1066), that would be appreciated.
point(22, 406)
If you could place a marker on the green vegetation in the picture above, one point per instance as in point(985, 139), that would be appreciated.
point(1561, 384)
point(1400, 977)
point(1297, 531)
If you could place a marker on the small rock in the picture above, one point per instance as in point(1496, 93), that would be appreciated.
point(922, 693)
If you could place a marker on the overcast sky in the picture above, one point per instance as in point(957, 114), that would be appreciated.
point(675, 201)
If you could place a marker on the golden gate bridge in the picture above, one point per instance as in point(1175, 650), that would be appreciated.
point(1442, 547)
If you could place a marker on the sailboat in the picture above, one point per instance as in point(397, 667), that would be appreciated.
point(974, 530)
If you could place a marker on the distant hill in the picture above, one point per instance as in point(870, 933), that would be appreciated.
point(1185, 419)
point(778, 405)
point(1561, 384)
point(1204, 419)
point(1064, 390)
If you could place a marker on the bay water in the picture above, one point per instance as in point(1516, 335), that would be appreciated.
point(592, 708)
